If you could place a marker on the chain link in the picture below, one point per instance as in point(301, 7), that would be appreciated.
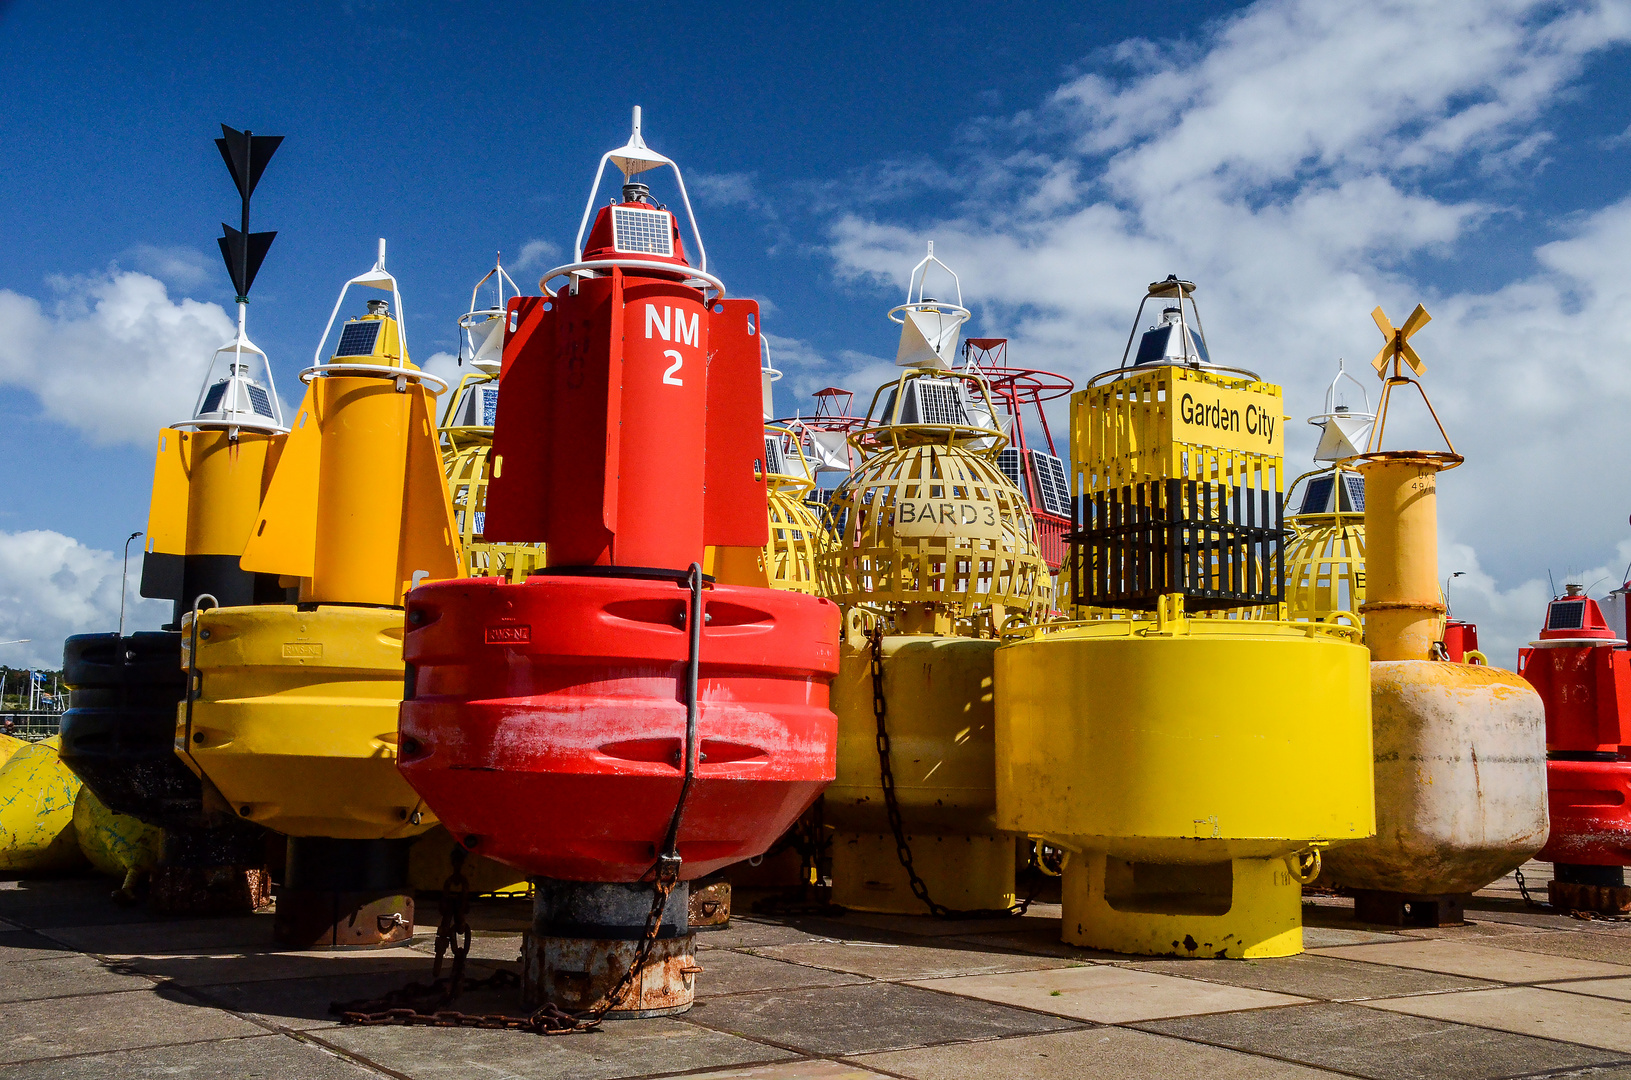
point(891, 803)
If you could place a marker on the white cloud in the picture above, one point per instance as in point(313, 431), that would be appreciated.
point(183, 267)
point(1300, 160)
point(114, 357)
point(52, 586)
point(535, 253)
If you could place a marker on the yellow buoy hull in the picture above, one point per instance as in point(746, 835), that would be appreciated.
point(295, 723)
point(37, 812)
point(1181, 762)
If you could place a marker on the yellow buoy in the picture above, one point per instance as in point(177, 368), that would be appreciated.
point(8, 747)
point(114, 844)
point(1460, 758)
point(37, 812)
point(937, 551)
point(294, 719)
point(1194, 768)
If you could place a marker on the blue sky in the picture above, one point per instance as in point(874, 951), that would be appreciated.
point(1302, 161)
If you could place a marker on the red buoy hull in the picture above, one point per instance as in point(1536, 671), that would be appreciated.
point(545, 721)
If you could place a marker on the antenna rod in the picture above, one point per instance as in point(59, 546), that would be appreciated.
point(243, 254)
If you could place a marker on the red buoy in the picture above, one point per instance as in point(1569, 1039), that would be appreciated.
point(617, 725)
point(1582, 670)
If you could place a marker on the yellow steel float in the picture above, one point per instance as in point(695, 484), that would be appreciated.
point(1193, 768)
point(1325, 562)
point(1460, 748)
point(292, 720)
point(37, 795)
point(937, 551)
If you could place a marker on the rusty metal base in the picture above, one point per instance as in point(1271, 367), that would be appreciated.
point(586, 934)
point(1410, 909)
point(320, 919)
point(1600, 890)
point(208, 890)
point(1598, 899)
point(575, 973)
point(709, 907)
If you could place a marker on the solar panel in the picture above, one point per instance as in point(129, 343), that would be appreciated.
point(775, 461)
point(646, 232)
point(1008, 462)
point(1053, 485)
point(259, 401)
point(357, 339)
point(212, 400)
point(1566, 615)
point(489, 406)
point(1317, 499)
point(1355, 486)
point(937, 401)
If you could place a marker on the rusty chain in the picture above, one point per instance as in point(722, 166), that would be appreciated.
point(903, 850)
point(406, 1006)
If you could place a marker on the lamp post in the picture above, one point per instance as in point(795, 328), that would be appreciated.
point(124, 576)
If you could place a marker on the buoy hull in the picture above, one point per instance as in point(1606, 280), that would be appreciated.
point(1460, 764)
point(942, 733)
point(1181, 764)
point(547, 719)
point(295, 721)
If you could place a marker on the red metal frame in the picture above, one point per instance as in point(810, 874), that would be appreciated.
point(1020, 390)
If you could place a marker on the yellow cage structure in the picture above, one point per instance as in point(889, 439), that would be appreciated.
point(1325, 561)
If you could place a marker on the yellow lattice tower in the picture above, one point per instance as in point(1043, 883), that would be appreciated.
point(1325, 561)
point(799, 532)
point(467, 438)
point(931, 526)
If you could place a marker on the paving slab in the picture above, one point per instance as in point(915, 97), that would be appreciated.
point(1040, 917)
point(23, 945)
point(1092, 1054)
point(1383, 1045)
point(751, 932)
point(849, 1020)
point(266, 1057)
point(303, 1004)
point(725, 971)
point(210, 970)
point(1038, 941)
point(98, 1023)
point(240, 934)
point(1325, 937)
point(1527, 1010)
point(1610, 948)
point(40, 903)
point(805, 1069)
point(484, 946)
point(65, 975)
point(1478, 961)
point(621, 1048)
point(1107, 995)
point(1324, 977)
point(1618, 989)
point(889, 961)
